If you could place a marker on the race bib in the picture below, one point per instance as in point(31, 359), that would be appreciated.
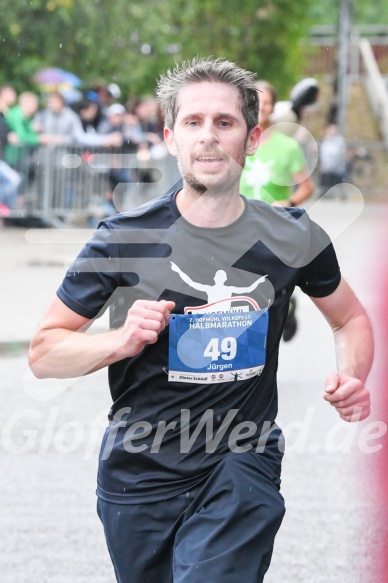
point(217, 348)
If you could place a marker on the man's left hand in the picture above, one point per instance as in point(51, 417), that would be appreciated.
point(349, 396)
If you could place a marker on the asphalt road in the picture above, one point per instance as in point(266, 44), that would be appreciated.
point(49, 530)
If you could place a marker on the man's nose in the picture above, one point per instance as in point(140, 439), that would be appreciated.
point(208, 133)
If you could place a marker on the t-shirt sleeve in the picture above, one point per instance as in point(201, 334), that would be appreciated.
point(321, 275)
point(93, 276)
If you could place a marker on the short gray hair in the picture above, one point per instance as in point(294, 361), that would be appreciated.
point(196, 70)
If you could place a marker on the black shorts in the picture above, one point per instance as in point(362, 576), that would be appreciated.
point(221, 532)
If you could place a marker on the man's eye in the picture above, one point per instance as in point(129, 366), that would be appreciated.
point(192, 124)
point(224, 123)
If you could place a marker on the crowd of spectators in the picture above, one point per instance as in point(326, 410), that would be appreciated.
point(99, 119)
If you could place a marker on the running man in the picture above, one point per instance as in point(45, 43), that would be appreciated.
point(189, 471)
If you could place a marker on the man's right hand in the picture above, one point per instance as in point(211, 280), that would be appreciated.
point(145, 321)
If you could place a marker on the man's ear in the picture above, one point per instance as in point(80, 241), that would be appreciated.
point(170, 141)
point(253, 141)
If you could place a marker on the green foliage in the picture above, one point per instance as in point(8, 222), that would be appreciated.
point(262, 36)
point(370, 12)
point(130, 43)
point(30, 33)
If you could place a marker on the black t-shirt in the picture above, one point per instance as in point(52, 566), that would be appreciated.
point(159, 439)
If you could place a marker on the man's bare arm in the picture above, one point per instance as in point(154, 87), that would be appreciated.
point(61, 348)
point(353, 337)
point(303, 191)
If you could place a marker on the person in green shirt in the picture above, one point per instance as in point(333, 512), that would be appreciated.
point(19, 119)
point(277, 172)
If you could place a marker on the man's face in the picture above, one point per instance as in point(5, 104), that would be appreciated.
point(210, 138)
point(116, 119)
point(9, 96)
point(266, 107)
point(29, 106)
point(55, 103)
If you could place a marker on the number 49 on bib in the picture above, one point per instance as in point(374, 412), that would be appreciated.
point(226, 348)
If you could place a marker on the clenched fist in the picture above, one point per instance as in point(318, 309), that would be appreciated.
point(349, 396)
point(145, 321)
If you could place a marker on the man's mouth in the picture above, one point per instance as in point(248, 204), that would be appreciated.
point(209, 159)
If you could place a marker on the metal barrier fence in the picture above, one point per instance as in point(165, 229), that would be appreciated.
point(70, 185)
point(77, 185)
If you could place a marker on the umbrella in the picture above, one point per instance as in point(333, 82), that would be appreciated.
point(54, 78)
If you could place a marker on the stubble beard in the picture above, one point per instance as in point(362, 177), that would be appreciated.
point(224, 185)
